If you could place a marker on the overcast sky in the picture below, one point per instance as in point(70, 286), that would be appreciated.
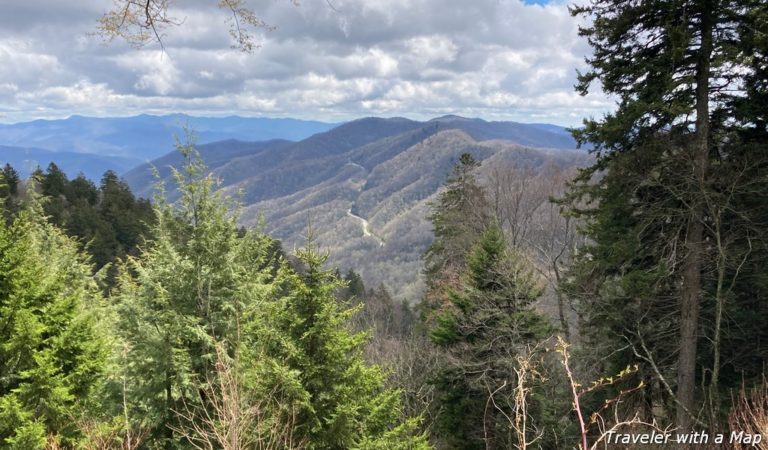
point(326, 60)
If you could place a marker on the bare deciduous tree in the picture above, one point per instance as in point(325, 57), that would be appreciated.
point(140, 22)
point(231, 419)
point(521, 199)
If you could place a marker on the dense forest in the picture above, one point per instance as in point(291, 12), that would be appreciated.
point(561, 310)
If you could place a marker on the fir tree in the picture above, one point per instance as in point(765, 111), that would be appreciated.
point(488, 322)
point(346, 404)
point(687, 82)
point(53, 351)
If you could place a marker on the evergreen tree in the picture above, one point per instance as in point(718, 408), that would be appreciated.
point(488, 322)
point(346, 404)
point(9, 190)
point(55, 188)
point(190, 293)
point(11, 178)
point(355, 288)
point(53, 350)
point(681, 72)
point(458, 217)
point(205, 303)
point(108, 221)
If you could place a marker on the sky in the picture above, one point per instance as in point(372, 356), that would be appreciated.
point(328, 60)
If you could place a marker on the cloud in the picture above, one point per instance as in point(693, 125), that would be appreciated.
point(335, 60)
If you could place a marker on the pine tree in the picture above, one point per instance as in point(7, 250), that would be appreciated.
point(683, 76)
point(488, 322)
point(53, 351)
point(345, 402)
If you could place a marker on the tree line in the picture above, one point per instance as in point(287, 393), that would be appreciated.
point(206, 338)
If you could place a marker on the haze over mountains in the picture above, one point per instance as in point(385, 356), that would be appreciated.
point(94, 144)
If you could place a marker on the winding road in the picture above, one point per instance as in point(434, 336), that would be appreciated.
point(366, 230)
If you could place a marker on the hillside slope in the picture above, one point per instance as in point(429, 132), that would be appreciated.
point(365, 186)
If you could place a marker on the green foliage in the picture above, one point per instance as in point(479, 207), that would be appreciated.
point(355, 288)
point(694, 43)
point(9, 190)
point(346, 404)
point(488, 322)
point(669, 205)
point(198, 284)
point(53, 350)
point(458, 219)
point(107, 221)
point(203, 285)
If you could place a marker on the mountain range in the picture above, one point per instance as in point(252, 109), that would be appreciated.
point(364, 187)
point(93, 144)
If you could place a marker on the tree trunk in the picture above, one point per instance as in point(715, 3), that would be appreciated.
point(692, 263)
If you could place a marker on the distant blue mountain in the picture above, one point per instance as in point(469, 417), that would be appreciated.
point(145, 137)
point(26, 159)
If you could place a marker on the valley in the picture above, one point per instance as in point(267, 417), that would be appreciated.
point(365, 186)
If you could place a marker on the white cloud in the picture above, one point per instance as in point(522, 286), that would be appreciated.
point(432, 48)
point(497, 59)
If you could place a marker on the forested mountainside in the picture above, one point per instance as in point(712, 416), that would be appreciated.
point(365, 186)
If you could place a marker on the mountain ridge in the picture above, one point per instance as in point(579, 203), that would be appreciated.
point(365, 186)
point(144, 137)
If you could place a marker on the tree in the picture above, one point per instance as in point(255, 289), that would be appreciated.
point(523, 203)
point(478, 307)
point(488, 324)
point(682, 74)
point(108, 221)
point(140, 22)
point(11, 178)
point(344, 401)
point(354, 288)
point(458, 216)
point(9, 190)
point(54, 349)
point(195, 289)
point(128, 219)
point(223, 342)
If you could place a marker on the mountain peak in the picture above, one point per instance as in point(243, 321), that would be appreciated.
point(454, 118)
